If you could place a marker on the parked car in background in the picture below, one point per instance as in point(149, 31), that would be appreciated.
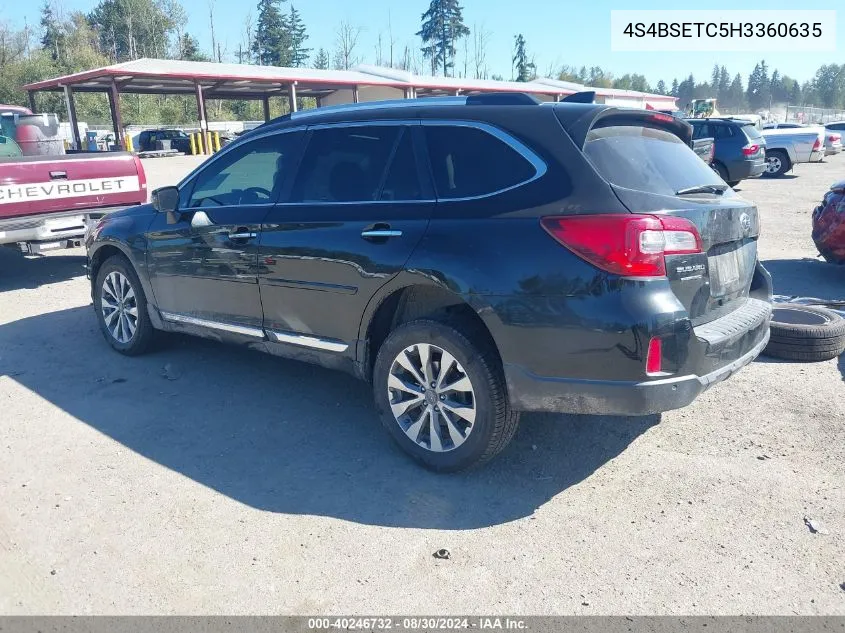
point(47, 202)
point(786, 148)
point(829, 224)
point(472, 257)
point(705, 149)
point(152, 140)
point(832, 138)
point(740, 150)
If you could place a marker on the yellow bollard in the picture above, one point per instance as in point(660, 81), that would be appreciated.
point(193, 144)
point(208, 148)
point(129, 146)
point(216, 141)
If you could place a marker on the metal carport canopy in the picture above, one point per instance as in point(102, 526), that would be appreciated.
point(210, 80)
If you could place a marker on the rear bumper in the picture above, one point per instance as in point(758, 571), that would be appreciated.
point(817, 156)
point(50, 227)
point(722, 348)
point(743, 170)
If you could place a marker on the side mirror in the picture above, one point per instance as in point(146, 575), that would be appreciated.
point(166, 199)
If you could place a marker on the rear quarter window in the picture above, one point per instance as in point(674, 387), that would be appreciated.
point(646, 159)
point(752, 132)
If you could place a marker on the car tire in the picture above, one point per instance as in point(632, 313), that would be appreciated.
point(121, 307)
point(475, 387)
point(805, 333)
point(720, 169)
point(777, 164)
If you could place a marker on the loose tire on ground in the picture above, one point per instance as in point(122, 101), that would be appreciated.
point(805, 333)
point(115, 268)
point(494, 424)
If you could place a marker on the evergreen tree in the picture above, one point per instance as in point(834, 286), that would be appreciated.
point(753, 92)
point(661, 87)
point(321, 59)
point(675, 87)
point(724, 84)
point(582, 74)
point(297, 36)
point(270, 45)
point(189, 49)
point(53, 38)
point(714, 79)
point(736, 94)
point(524, 67)
point(795, 93)
point(442, 26)
point(765, 85)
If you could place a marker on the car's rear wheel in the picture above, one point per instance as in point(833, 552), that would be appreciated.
point(442, 396)
point(777, 164)
point(720, 169)
point(121, 307)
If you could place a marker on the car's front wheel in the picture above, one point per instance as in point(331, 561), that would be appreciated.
point(121, 307)
point(442, 396)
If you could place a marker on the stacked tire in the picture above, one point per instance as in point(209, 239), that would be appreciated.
point(805, 333)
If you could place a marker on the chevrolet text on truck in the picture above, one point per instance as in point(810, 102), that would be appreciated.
point(47, 197)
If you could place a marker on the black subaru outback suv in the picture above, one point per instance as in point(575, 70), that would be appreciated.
point(471, 257)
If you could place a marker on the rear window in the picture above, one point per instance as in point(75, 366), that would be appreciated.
point(752, 132)
point(646, 159)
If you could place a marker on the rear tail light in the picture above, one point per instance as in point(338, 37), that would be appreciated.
point(654, 359)
point(834, 137)
point(817, 145)
point(750, 150)
point(625, 244)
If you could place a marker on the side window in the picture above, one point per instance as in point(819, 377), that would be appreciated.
point(468, 162)
point(703, 130)
point(723, 131)
point(344, 164)
point(250, 174)
point(402, 181)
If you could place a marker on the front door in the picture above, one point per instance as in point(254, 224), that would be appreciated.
point(203, 259)
point(357, 209)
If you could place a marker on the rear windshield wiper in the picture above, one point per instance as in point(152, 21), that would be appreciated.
point(718, 189)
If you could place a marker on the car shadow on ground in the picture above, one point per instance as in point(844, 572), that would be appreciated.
point(18, 271)
point(807, 278)
point(284, 436)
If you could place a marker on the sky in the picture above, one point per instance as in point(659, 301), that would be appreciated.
point(557, 32)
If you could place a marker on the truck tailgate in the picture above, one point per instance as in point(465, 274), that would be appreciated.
point(39, 185)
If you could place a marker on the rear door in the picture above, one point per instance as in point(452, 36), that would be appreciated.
point(647, 166)
point(358, 207)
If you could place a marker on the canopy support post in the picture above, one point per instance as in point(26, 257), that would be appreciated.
point(114, 106)
point(266, 103)
point(71, 114)
point(292, 97)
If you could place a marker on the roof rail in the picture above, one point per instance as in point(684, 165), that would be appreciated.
point(502, 98)
point(379, 105)
point(586, 96)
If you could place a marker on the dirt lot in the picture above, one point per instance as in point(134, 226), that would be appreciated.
point(254, 485)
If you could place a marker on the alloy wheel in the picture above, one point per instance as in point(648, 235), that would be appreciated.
point(431, 397)
point(119, 307)
point(773, 164)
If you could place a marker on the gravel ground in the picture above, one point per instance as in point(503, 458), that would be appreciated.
point(250, 484)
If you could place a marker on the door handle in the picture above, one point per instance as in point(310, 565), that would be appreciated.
point(246, 235)
point(381, 233)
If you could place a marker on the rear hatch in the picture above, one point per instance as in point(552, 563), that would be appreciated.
point(755, 148)
point(647, 160)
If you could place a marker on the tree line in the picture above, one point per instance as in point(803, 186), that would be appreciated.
point(122, 30)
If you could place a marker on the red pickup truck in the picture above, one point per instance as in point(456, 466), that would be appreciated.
point(46, 201)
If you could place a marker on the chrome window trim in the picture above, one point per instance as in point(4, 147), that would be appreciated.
point(303, 340)
point(235, 145)
point(318, 203)
point(539, 165)
point(378, 105)
point(246, 330)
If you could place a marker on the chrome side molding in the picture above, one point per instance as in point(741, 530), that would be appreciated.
point(246, 330)
point(314, 342)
